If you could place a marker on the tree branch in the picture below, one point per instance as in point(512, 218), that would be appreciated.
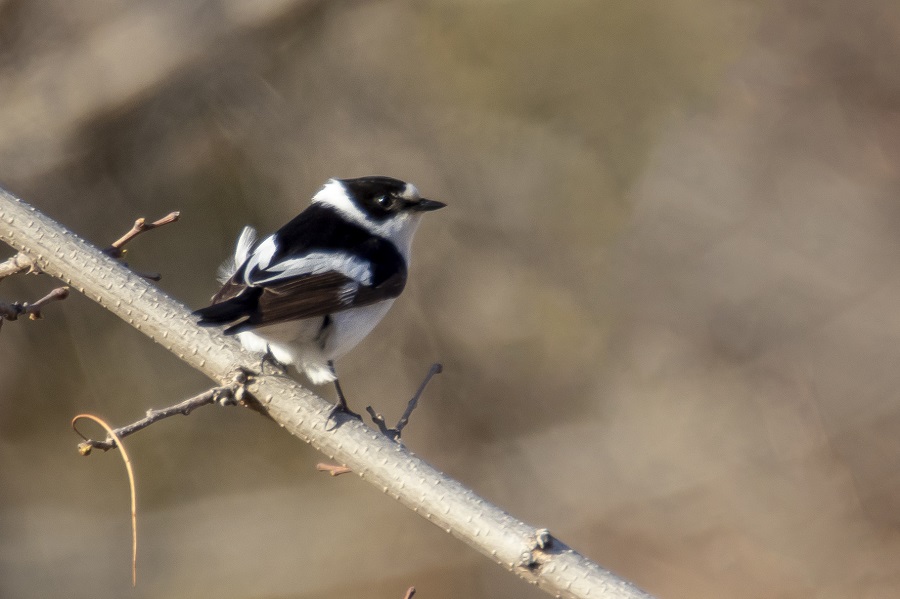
point(532, 554)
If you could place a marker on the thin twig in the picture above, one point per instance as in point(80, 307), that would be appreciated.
point(409, 593)
point(22, 263)
point(12, 311)
point(128, 468)
point(332, 469)
point(394, 433)
point(224, 395)
point(117, 249)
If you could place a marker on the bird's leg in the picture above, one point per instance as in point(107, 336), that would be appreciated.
point(270, 359)
point(341, 404)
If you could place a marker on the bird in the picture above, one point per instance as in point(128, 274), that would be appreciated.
point(311, 291)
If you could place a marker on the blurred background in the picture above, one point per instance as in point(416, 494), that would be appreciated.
point(665, 292)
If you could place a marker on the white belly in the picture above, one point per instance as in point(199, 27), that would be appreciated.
point(298, 342)
point(352, 326)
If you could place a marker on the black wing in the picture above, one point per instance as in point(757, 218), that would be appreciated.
point(257, 298)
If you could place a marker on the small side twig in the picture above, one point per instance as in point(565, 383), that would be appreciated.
point(394, 433)
point(332, 469)
point(117, 249)
point(22, 263)
point(224, 395)
point(409, 593)
point(12, 311)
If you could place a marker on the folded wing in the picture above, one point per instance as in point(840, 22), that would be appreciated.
point(282, 293)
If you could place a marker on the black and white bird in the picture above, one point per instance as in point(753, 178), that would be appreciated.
point(310, 292)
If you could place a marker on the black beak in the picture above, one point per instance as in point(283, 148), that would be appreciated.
point(424, 205)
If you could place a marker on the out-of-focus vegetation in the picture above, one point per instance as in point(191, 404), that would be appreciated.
point(665, 292)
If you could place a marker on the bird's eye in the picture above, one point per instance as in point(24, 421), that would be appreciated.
point(386, 202)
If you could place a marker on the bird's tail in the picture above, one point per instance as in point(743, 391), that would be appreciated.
point(234, 311)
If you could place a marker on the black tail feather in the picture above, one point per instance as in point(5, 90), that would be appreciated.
point(237, 308)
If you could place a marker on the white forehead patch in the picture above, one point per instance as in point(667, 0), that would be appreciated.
point(411, 192)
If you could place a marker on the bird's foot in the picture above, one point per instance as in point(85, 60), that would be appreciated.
point(269, 359)
point(340, 408)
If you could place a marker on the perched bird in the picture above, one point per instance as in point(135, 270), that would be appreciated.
point(310, 292)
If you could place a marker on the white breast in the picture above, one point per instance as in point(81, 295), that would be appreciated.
point(351, 327)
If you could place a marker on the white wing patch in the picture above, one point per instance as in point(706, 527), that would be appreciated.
point(241, 251)
point(260, 257)
point(244, 244)
point(263, 254)
point(352, 267)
